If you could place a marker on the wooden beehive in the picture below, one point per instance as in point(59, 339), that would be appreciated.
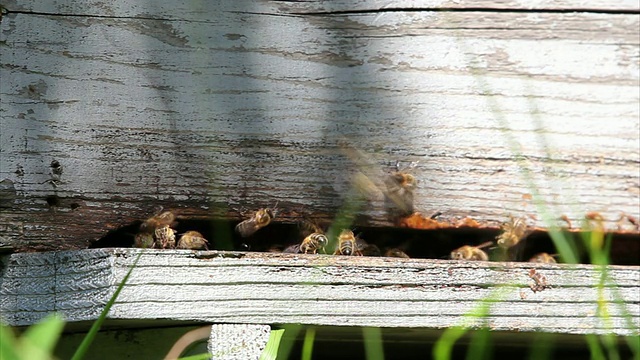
point(109, 111)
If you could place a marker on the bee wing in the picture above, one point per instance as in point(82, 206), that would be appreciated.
point(246, 228)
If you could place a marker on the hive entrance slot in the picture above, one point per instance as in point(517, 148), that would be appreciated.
point(426, 244)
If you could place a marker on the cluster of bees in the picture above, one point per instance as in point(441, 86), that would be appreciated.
point(157, 233)
point(511, 234)
point(399, 199)
point(314, 240)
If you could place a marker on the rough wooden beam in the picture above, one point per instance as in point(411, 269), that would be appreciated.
point(254, 288)
point(238, 341)
point(242, 104)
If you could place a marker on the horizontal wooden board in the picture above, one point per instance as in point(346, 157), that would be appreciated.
point(244, 104)
point(256, 288)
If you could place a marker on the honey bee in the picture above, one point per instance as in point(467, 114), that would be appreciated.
point(512, 232)
point(260, 219)
point(566, 219)
point(314, 237)
point(399, 195)
point(543, 258)
point(143, 240)
point(150, 225)
point(165, 238)
point(594, 221)
point(347, 244)
point(193, 240)
point(395, 252)
point(314, 242)
point(539, 281)
point(367, 249)
point(292, 249)
point(468, 252)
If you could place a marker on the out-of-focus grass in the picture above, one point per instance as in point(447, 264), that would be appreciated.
point(307, 344)
point(373, 348)
point(273, 345)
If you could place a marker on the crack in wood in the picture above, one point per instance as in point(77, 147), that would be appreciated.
point(472, 9)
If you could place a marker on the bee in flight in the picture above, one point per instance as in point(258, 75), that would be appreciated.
point(543, 258)
point(150, 225)
point(146, 236)
point(399, 195)
point(347, 244)
point(512, 232)
point(193, 240)
point(165, 238)
point(260, 219)
point(468, 252)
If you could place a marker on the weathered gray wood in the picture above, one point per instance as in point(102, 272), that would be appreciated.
point(238, 341)
point(252, 288)
point(242, 104)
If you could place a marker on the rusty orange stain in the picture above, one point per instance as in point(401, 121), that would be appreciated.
point(419, 221)
point(468, 222)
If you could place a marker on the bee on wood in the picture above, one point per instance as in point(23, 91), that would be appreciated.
point(395, 252)
point(144, 240)
point(260, 219)
point(367, 249)
point(150, 225)
point(165, 238)
point(543, 258)
point(314, 242)
point(567, 221)
point(539, 281)
point(193, 240)
point(512, 232)
point(292, 249)
point(347, 244)
point(314, 237)
point(624, 218)
point(399, 195)
point(473, 253)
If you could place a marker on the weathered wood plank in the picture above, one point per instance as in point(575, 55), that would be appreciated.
point(175, 106)
point(238, 341)
point(252, 288)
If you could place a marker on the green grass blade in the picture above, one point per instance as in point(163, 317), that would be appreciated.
point(542, 347)
point(444, 346)
point(40, 339)
point(307, 345)
point(481, 346)
point(270, 351)
point(594, 347)
point(288, 339)
point(9, 344)
point(373, 343)
point(88, 339)
point(203, 356)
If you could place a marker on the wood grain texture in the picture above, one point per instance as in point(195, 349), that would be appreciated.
point(251, 288)
point(238, 341)
point(242, 104)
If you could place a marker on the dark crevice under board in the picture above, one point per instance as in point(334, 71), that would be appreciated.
point(425, 244)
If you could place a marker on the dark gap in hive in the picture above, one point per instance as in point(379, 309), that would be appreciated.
point(426, 244)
